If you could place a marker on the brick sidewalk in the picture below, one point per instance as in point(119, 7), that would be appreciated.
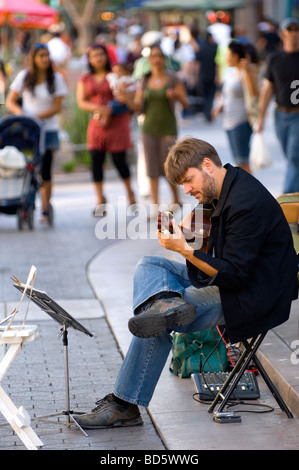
point(36, 381)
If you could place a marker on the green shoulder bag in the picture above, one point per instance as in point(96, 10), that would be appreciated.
point(198, 352)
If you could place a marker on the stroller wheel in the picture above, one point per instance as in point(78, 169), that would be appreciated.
point(50, 215)
point(30, 218)
point(21, 215)
point(25, 217)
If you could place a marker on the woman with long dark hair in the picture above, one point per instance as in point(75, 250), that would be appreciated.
point(112, 135)
point(42, 91)
point(240, 77)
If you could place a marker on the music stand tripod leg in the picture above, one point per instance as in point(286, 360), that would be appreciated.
point(66, 375)
point(68, 413)
point(57, 313)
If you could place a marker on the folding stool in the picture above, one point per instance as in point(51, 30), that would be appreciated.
point(249, 354)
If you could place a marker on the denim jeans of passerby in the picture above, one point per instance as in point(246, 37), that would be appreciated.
point(239, 141)
point(287, 130)
point(146, 357)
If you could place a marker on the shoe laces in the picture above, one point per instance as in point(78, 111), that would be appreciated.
point(103, 401)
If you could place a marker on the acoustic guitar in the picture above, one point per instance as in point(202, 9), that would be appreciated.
point(199, 232)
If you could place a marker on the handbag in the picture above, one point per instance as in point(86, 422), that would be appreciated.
point(201, 351)
point(251, 104)
point(259, 156)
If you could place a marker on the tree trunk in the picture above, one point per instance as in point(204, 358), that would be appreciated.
point(82, 15)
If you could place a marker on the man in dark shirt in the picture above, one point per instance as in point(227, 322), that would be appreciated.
point(246, 281)
point(282, 81)
point(208, 73)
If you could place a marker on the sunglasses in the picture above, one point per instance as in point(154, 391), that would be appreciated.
point(293, 28)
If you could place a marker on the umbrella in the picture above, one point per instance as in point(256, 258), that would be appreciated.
point(27, 14)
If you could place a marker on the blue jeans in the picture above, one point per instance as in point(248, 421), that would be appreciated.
point(239, 140)
point(287, 130)
point(146, 357)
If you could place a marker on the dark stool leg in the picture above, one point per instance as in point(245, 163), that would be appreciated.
point(248, 354)
point(236, 373)
point(272, 388)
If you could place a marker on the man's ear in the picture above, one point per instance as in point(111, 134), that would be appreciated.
point(207, 165)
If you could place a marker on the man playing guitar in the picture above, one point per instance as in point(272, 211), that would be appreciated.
point(246, 280)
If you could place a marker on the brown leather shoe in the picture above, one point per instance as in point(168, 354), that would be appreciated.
point(163, 315)
point(110, 414)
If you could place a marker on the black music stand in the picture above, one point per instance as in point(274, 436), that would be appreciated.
point(62, 317)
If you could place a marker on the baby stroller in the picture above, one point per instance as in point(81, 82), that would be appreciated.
point(20, 157)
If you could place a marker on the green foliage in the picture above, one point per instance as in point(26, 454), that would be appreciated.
point(75, 122)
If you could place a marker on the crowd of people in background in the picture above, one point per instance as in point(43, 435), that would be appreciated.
point(158, 74)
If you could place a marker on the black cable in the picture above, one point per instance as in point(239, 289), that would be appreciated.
point(261, 405)
point(233, 401)
point(236, 403)
point(201, 369)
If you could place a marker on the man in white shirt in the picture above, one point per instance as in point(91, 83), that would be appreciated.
point(60, 52)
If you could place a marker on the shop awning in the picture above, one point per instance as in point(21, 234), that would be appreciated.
point(27, 14)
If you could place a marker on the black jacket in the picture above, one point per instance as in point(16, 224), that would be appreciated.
point(251, 246)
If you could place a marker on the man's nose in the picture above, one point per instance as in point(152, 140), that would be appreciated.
point(187, 188)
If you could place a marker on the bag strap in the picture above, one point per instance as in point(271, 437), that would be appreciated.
point(182, 356)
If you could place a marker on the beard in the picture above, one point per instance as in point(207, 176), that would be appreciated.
point(207, 194)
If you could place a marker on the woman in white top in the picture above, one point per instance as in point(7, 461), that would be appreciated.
point(240, 76)
point(42, 91)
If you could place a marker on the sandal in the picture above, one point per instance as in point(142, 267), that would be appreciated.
point(44, 219)
point(99, 210)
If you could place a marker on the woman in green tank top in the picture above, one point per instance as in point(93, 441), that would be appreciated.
point(155, 98)
point(159, 117)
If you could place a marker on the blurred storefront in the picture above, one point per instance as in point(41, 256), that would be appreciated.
point(245, 14)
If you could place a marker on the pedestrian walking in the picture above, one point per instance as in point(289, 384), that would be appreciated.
point(155, 99)
point(110, 134)
point(241, 78)
point(281, 80)
point(208, 74)
point(60, 51)
point(42, 91)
